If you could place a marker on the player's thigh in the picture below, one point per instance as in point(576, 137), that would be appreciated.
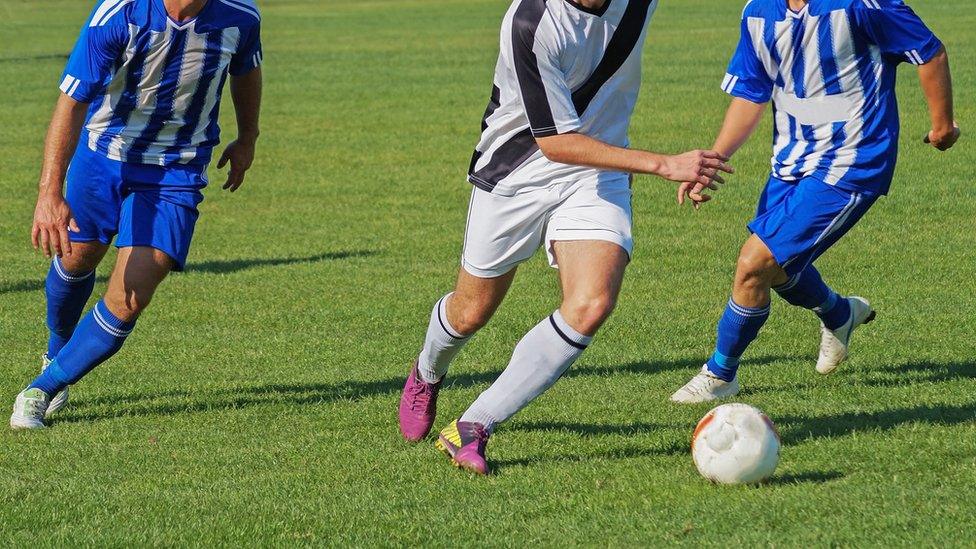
point(138, 272)
point(161, 219)
point(808, 222)
point(590, 270)
point(504, 231)
point(476, 299)
point(600, 213)
point(93, 193)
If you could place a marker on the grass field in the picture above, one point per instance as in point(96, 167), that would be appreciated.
point(255, 404)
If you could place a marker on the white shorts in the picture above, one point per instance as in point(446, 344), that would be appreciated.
point(503, 231)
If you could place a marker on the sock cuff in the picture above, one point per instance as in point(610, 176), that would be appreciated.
point(749, 312)
point(567, 333)
point(109, 322)
point(441, 311)
point(789, 284)
point(64, 275)
point(477, 415)
point(828, 305)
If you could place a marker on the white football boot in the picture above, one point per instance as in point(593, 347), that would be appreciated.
point(29, 409)
point(834, 344)
point(60, 400)
point(705, 387)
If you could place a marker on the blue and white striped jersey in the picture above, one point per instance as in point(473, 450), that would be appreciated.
point(154, 84)
point(829, 70)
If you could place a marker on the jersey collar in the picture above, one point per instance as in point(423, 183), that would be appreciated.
point(591, 11)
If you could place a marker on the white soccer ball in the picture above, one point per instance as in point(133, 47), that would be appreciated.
point(735, 444)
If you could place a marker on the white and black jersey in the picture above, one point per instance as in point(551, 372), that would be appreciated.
point(562, 68)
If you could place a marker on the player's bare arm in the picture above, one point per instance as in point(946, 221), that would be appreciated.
point(936, 81)
point(52, 216)
point(741, 120)
point(703, 167)
point(246, 93)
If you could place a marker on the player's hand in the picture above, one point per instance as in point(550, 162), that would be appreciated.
point(52, 221)
point(693, 192)
point(702, 167)
point(944, 139)
point(240, 154)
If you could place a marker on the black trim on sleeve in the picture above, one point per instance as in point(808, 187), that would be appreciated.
point(525, 23)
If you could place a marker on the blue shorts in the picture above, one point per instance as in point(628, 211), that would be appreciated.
point(144, 205)
point(800, 220)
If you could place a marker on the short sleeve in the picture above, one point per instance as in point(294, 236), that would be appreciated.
point(92, 61)
point(897, 30)
point(542, 85)
point(249, 55)
point(747, 77)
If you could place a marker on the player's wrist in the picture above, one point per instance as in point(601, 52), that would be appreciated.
point(49, 189)
point(654, 164)
point(248, 138)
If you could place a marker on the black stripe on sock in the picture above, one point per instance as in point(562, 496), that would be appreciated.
point(444, 324)
point(565, 337)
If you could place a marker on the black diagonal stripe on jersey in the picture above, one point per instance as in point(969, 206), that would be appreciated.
point(525, 22)
point(493, 104)
point(618, 50)
point(514, 152)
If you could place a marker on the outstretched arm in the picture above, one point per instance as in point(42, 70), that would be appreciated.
point(936, 81)
point(245, 90)
point(52, 216)
point(703, 167)
point(741, 120)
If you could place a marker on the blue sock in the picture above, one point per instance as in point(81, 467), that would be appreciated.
point(737, 328)
point(807, 289)
point(98, 336)
point(67, 294)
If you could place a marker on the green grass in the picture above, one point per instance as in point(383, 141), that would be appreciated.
point(255, 404)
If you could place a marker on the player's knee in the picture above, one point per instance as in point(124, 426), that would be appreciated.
point(80, 262)
point(127, 304)
point(754, 267)
point(471, 319)
point(587, 314)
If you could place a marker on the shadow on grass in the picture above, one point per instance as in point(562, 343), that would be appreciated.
point(591, 429)
point(628, 451)
point(212, 267)
point(176, 402)
point(810, 477)
point(796, 429)
point(921, 372)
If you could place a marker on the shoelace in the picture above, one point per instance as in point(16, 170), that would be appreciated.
point(829, 341)
point(479, 434)
point(34, 406)
point(703, 385)
point(420, 396)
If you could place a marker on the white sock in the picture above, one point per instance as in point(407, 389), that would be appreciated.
point(539, 359)
point(441, 346)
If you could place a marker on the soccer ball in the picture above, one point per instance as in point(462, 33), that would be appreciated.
point(735, 444)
